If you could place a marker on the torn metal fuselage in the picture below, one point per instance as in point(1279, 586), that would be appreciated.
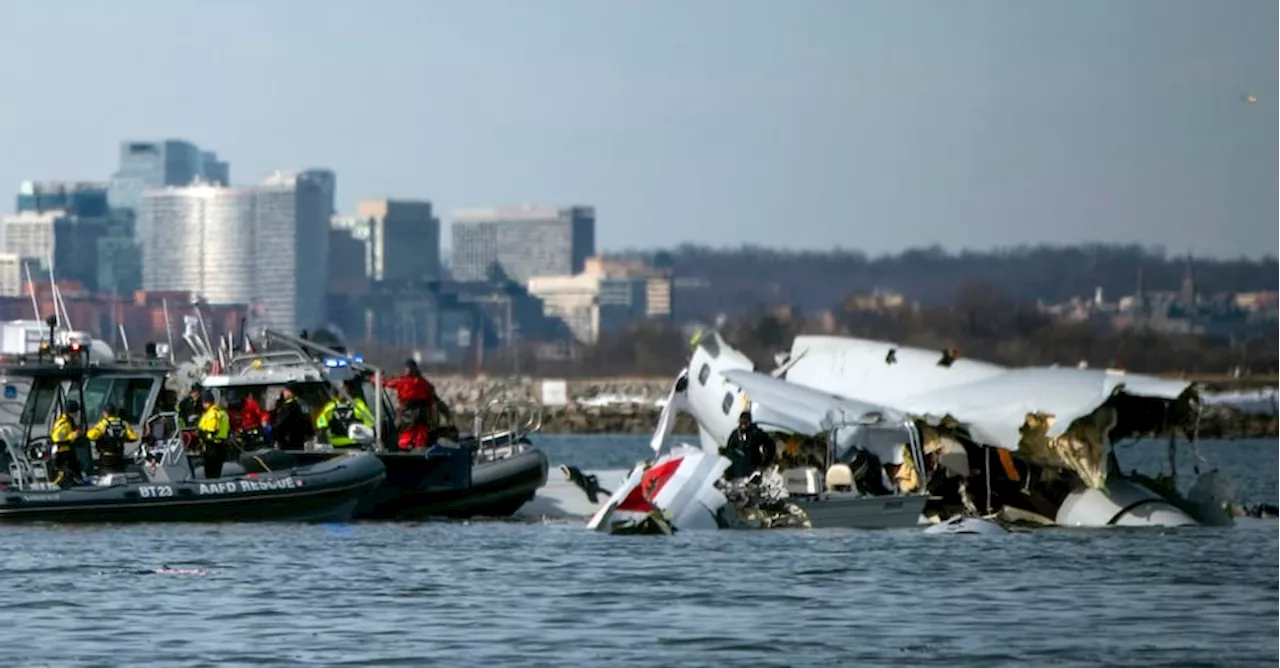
point(1049, 431)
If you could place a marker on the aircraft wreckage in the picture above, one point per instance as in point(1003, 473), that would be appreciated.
point(876, 435)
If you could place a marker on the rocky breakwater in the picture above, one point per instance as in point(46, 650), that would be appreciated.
point(577, 406)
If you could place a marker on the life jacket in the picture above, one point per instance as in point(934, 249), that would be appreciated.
point(114, 435)
point(342, 417)
point(63, 433)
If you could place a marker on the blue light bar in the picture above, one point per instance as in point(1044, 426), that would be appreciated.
point(358, 359)
point(334, 363)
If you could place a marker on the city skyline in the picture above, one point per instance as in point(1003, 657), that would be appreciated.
point(870, 126)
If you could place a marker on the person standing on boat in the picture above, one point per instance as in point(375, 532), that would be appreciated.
point(110, 434)
point(291, 426)
point(63, 436)
point(749, 448)
point(190, 409)
point(214, 428)
point(414, 393)
point(247, 420)
point(346, 408)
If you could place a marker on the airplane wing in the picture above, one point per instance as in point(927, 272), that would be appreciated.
point(806, 410)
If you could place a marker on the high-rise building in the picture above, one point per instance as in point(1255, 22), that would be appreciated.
point(71, 242)
point(403, 238)
point(361, 231)
point(88, 200)
point(11, 278)
point(120, 254)
point(213, 170)
point(203, 242)
point(266, 246)
point(145, 165)
point(522, 241)
point(293, 214)
point(156, 164)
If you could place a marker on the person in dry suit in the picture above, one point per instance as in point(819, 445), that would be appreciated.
point(749, 449)
point(110, 435)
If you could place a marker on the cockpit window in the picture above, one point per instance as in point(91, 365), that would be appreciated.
point(708, 343)
point(703, 374)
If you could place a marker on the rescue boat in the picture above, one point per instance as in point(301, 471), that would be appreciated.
point(490, 472)
point(159, 483)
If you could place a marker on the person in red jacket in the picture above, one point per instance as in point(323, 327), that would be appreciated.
point(415, 395)
point(247, 419)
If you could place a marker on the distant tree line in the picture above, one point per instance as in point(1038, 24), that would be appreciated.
point(982, 322)
point(732, 280)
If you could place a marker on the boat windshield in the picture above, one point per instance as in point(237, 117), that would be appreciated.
point(40, 401)
point(128, 395)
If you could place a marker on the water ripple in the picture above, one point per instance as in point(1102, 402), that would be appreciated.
point(513, 594)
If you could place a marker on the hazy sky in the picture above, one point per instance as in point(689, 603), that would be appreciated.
point(799, 123)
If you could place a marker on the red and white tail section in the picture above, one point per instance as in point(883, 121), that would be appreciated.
point(680, 485)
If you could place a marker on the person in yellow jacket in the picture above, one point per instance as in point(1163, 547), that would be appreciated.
point(214, 428)
point(340, 413)
point(63, 435)
point(110, 434)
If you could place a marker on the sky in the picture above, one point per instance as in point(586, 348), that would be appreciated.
point(818, 124)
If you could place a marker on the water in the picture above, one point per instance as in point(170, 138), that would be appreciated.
point(490, 593)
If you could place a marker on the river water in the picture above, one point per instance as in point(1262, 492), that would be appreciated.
point(519, 594)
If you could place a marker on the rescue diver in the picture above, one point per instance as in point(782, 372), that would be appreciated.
point(214, 428)
point(749, 449)
point(291, 427)
point(346, 408)
point(110, 434)
point(63, 436)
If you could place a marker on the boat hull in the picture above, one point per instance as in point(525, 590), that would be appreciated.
point(439, 483)
point(326, 491)
point(849, 511)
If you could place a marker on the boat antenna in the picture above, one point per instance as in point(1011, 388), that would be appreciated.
point(204, 331)
point(124, 338)
point(31, 290)
point(59, 307)
point(168, 327)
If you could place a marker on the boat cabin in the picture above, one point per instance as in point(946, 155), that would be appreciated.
point(264, 375)
point(868, 456)
point(134, 385)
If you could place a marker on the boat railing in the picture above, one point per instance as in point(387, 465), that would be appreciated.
point(165, 457)
point(511, 420)
point(875, 420)
point(25, 471)
point(244, 364)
